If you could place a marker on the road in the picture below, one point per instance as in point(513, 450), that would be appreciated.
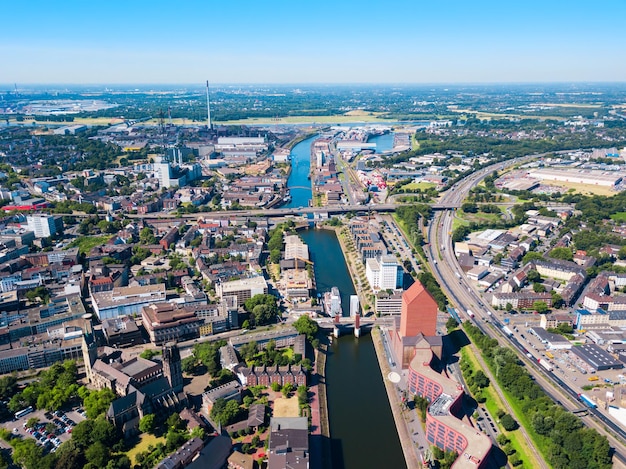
point(450, 276)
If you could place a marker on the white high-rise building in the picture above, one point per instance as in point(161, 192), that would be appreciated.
point(43, 226)
point(354, 305)
point(163, 172)
point(383, 273)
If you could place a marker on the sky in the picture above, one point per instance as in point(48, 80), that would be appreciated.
point(319, 41)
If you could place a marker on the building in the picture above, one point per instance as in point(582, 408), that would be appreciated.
point(183, 456)
point(520, 300)
point(597, 358)
point(121, 331)
point(288, 443)
point(165, 322)
point(447, 427)
point(383, 273)
point(228, 391)
point(243, 289)
point(145, 386)
point(44, 226)
point(125, 301)
point(418, 317)
point(283, 337)
point(387, 304)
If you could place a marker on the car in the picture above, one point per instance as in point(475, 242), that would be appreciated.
point(15, 430)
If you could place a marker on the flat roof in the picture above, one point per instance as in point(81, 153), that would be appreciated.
point(478, 444)
point(596, 357)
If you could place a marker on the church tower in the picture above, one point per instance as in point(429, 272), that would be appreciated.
point(89, 346)
point(172, 368)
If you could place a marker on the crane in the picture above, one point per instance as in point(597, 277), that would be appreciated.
point(296, 259)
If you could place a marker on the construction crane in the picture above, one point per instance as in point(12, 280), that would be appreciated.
point(296, 259)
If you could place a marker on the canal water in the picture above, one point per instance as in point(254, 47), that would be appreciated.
point(299, 183)
point(362, 429)
point(383, 142)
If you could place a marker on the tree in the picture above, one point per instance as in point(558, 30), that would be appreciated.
point(287, 388)
point(532, 256)
point(8, 387)
point(146, 236)
point(480, 379)
point(533, 276)
point(305, 325)
point(539, 287)
point(96, 402)
point(97, 454)
point(147, 424)
point(508, 422)
point(188, 364)
point(451, 324)
point(175, 422)
point(541, 307)
point(275, 386)
point(31, 422)
point(562, 253)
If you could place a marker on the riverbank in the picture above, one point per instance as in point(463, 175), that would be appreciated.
point(410, 455)
point(406, 442)
point(323, 432)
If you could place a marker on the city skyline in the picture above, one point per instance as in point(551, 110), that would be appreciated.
point(325, 43)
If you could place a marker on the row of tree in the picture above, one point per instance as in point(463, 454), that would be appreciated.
point(560, 436)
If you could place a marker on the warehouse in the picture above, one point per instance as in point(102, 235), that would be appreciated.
point(597, 358)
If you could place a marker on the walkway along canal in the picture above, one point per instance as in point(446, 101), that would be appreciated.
point(362, 430)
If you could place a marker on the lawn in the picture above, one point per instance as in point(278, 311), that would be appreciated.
point(619, 217)
point(418, 185)
point(145, 441)
point(286, 407)
point(493, 403)
point(87, 243)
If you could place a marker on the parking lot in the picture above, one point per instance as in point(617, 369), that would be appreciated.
point(51, 430)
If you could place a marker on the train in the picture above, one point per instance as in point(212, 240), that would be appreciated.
point(587, 401)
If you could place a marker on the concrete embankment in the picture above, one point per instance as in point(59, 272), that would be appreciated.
point(410, 455)
point(320, 436)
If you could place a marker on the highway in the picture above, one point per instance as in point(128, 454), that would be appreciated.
point(446, 269)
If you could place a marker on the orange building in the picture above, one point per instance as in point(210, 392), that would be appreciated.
point(418, 318)
point(419, 312)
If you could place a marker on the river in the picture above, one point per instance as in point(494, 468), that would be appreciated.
point(362, 428)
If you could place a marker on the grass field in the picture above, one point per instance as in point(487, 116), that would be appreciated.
point(145, 441)
point(493, 403)
point(619, 216)
point(585, 189)
point(87, 243)
point(418, 185)
point(286, 407)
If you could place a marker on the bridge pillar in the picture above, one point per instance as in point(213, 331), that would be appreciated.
point(336, 330)
point(357, 325)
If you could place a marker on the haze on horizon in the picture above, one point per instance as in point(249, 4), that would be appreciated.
point(156, 42)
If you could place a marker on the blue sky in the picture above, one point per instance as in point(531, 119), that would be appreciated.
point(321, 41)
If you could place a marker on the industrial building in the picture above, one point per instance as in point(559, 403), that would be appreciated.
point(597, 358)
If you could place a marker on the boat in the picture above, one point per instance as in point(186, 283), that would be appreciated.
point(332, 302)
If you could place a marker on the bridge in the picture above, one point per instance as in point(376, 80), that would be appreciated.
point(299, 187)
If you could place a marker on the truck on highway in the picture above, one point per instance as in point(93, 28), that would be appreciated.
point(545, 364)
point(457, 274)
point(588, 402)
point(507, 331)
point(470, 313)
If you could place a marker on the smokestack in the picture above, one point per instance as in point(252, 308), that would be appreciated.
point(208, 105)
